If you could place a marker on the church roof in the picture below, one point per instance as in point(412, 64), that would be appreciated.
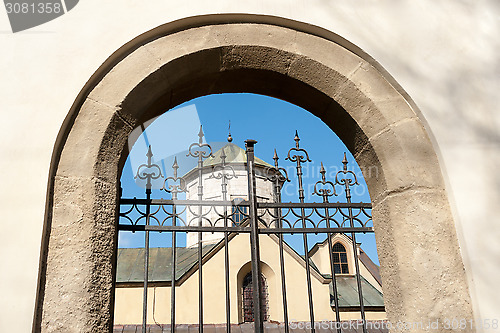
point(347, 290)
point(234, 155)
point(130, 270)
point(130, 263)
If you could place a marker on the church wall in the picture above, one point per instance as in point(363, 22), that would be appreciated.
point(443, 54)
point(128, 305)
point(237, 187)
point(321, 259)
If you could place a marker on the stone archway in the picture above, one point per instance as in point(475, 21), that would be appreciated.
point(422, 269)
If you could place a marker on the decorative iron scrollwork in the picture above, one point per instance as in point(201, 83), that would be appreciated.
point(348, 180)
point(174, 188)
point(196, 149)
point(276, 175)
point(278, 216)
point(154, 170)
point(327, 188)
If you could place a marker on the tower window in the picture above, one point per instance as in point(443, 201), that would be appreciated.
point(340, 259)
point(238, 212)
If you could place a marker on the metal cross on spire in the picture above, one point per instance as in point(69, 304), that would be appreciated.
point(229, 137)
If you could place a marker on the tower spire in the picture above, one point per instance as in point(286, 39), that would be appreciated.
point(229, 137)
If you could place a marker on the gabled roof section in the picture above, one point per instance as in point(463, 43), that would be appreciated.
point(373, 268)
point(323, 243)
point(347, 290)
point(130, 263)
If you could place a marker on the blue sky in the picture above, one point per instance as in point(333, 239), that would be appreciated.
point(270, 121)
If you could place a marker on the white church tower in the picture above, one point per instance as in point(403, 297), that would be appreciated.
point(235, 157)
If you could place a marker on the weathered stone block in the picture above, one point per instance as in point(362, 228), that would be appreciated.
point(422, 260)
point(404, 158)
point(94, 145)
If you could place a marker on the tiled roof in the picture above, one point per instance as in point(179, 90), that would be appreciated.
point(234, 154)
point(130, 263)
point(347, 290)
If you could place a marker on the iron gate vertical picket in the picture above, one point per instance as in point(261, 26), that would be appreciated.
point(260, 218)
point(254, 238)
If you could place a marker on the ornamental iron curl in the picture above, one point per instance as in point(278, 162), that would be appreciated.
point(223, 171)
point(301, 157)
point(346, 180)
point(295, 158)
point(174, 188)
point(327, 188)
point(200, 153)
point(154, 170)
point(276, 175)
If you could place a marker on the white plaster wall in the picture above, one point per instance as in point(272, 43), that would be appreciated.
point(443, 53)
point(237, 187)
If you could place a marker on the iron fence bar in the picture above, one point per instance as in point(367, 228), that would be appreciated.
point(347, 182)
point(260, 205)
point(332, 268)
point(200, 248)
point(277, 199)
point(138, 201)
point(146, 268)
point(224, 177)
point(334, 283)
point(314, 205)
point(226, 269)
point(308, 273)
point(326, 190)
point(314, 230)
point(226, 238)
point(196, 150)
point(194, 228)
point(147, 172)
point(302, 156)
point(174, 262)
point(283, 283)
point(174, 189)
point(358, 276)
point(254, 238)
point(159, 228)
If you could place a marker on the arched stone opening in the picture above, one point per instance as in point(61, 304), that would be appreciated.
point(247, 291)
point(272, 293)
point(422, 268)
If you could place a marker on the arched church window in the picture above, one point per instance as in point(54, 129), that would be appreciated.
point(340, 259)
point(238, 212)
point(180, 212)
point(248, 298)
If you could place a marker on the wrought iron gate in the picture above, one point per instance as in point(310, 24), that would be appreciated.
point(250, 216)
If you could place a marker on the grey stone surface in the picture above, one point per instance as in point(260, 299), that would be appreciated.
point(79, 279)
point(422, 260)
